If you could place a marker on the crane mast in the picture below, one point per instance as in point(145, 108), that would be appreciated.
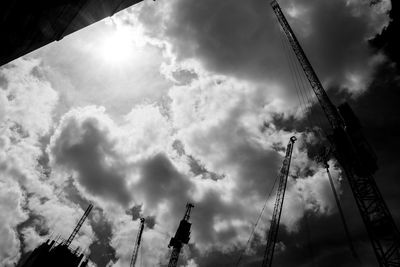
point(181, 237)
point(78, 226)
point(173, 261)
point(357, 159)
point(137, 244)
point(276, 215)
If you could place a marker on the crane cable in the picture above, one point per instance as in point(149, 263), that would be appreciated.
point(308, 235)
point(305, 104)
point(257, 221)
point(308, 92)
point(294, 77)
point(298, 71)
point(301, 84)
point(141, 256)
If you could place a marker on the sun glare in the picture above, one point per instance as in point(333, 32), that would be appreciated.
point(117, 46)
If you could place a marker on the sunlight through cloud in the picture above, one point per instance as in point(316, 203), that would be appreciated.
point(117, 46)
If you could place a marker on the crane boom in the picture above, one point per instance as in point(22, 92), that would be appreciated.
point(78, 226)
point(276, 215)
point(181, 237)
point(356, 158)
point(316, 85)
point(137, 244)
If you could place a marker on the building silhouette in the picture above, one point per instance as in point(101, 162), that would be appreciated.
point(51, 253)
point(27, 25)
point(60, 254)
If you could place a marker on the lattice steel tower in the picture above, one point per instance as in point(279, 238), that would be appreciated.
point(280, 195)
point(181, 237)
point(137, 243)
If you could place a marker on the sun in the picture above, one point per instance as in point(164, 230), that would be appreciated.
point(116, 46)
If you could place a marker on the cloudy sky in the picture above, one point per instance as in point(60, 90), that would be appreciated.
point(179, 101)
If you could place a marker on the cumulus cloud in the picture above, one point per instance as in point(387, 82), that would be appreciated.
point(133, 162)
point(159, 179)
point(104, 156)
point(124, 162)
point(26, 119)
point(30, 99)
point(11, 215)
point(20, 125)
point(31, 239)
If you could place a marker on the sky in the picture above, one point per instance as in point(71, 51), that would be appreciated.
point(169, 102)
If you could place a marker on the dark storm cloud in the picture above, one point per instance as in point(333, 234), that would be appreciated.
point(101, 250)
point(86, 148)
point(161, 181)
point(227, 36)
point(388, 40)
point(381, 123)
point(211, 211)
point(380, 117)
point(257, 167)
point(321, 241)
point(241, 38)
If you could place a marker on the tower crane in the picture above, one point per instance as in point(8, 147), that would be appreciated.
point(181, 237)
point(356, 158)
point(79, 225)
point(280, 195)
point(137, 244)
